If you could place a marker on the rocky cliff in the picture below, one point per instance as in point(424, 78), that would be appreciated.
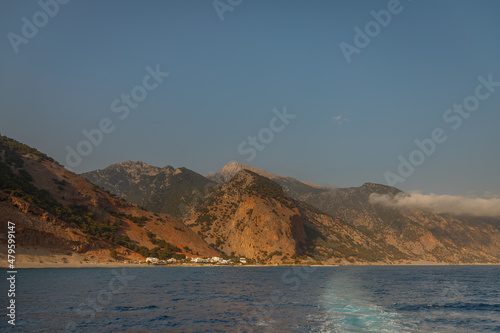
point(252, 217)
point(56, 209)
point(409, 234)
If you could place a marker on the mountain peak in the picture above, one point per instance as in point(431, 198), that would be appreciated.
point(233, 165)
point(230, 170)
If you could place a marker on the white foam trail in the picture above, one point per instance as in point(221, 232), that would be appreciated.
point(347, 309)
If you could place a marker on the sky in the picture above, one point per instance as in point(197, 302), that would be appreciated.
point(329, 92)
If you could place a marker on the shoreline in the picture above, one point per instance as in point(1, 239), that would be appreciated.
point(34, 265)
point(45, 258)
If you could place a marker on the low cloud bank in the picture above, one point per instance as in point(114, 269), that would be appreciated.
point(456, 205)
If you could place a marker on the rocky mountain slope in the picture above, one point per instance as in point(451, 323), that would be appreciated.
point(58, 210)
point(337, 223)
point(162, 190)
point(241, 217)
point(417, 234)
point(252, 216)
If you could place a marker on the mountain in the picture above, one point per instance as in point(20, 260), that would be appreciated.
point(161, 190)
point(291, 186)
point(59, 214)
point(252, 216)
point(301, 220)
point(417, 234)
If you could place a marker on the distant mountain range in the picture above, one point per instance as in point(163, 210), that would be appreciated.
point(161, 190)
point(388, 234)
point(132, 210)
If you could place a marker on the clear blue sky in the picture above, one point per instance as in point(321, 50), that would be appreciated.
point(227, 76)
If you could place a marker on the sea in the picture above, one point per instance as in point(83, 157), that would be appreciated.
point(258, 299)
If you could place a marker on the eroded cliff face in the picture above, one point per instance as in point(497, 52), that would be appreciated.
point(252, 217)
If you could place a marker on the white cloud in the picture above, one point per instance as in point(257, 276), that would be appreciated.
point(457, 205)
point(340, 119)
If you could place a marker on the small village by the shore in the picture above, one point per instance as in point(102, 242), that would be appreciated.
point(194, 260)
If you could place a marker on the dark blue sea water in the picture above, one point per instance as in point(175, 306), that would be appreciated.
point(265, 299)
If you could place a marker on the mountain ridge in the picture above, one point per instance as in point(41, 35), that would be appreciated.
point(57, 210)
point(252, 216)
point(143, 184)
point(266, 217)
point(416, 234)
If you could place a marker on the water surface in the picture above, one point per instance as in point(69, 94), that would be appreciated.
point(260, 299)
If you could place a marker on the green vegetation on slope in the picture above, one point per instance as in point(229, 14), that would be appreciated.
point(17, 182)
point(266, 188)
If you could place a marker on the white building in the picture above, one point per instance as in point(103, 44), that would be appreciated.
point(243, 260)
point(152, 260)
point(197, 260)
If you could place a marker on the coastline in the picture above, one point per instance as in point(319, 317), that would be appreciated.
point(37, 265)
point(33, 258)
